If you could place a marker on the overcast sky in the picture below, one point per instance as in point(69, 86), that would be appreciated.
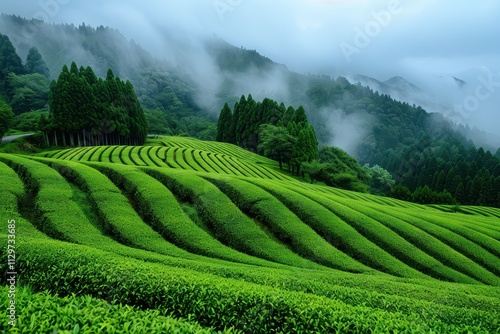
point(380, 38)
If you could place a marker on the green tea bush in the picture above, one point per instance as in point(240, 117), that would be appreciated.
point(52, 194)
point(227, 222)
point(389, 240)
point(333, 229)
point(220, 303)
point(145, 155)
point(168, 218)
point(90, 154)
point(106, 155)
point(136, 156)
point(492, 245)
point(452, 265)
point(284, 224)
point(117, 217)
point(125, 155)
point(209, 163)
point(43, 313)
point(459, 243)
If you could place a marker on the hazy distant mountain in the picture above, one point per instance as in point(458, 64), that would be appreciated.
point(440, 97)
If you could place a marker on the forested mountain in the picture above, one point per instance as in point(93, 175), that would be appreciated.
point(166, 93)
point(418, 148)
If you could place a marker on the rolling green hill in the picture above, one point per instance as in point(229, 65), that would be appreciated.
point(219, 239)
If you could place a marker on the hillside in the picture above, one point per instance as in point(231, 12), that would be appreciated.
point(183, 96)
point(216, 235)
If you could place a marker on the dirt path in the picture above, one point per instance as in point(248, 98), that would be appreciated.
point(8, 139)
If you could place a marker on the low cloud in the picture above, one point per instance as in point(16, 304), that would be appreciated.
point(347, 131)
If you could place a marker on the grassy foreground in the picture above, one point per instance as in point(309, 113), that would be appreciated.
point(197, 237)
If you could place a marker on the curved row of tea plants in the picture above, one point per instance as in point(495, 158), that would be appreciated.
point(172, 157)
point(242, 222)
point(277, 291)
point(224, 303)
point(44, 313)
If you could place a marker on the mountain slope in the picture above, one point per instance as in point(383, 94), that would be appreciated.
point(416, 147)
point(255, 254)
point(370, 232)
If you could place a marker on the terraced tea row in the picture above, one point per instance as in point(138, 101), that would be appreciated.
point(171, 157)
point(216, 147)
point(223, 303)
point(249, 252)
point(43, 313)
point(254, 221)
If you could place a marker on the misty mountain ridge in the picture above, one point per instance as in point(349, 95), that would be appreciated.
point(405, 91)
point(196, 81)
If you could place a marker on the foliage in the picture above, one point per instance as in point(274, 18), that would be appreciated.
point(229, 159)
point(27, 92)
point(381, 181)
point(85, 110)
point(28, 121)
point(422, 195)
point(221, 303)
point(10, 62)
point(401, 192)
point(226, 221)
point(414, 146)
point(270, 129)
point(284, 225)
point(36, 64)
point(6, 116)
point(43, 313)
point(314, 170)
point(169, 220)
point(291, 220)
point(277, 143)
point(338, 169)
point(224, 125)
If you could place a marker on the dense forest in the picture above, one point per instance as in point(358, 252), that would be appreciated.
point(89, 111)
point(419, 149)
point(285, 133)
point(167, 94)
point(23, 87)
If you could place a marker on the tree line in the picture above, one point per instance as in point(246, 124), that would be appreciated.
point(270, 129)
point(23, 87)
point(87, 111)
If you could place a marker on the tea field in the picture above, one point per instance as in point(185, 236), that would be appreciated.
point(187, 236)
